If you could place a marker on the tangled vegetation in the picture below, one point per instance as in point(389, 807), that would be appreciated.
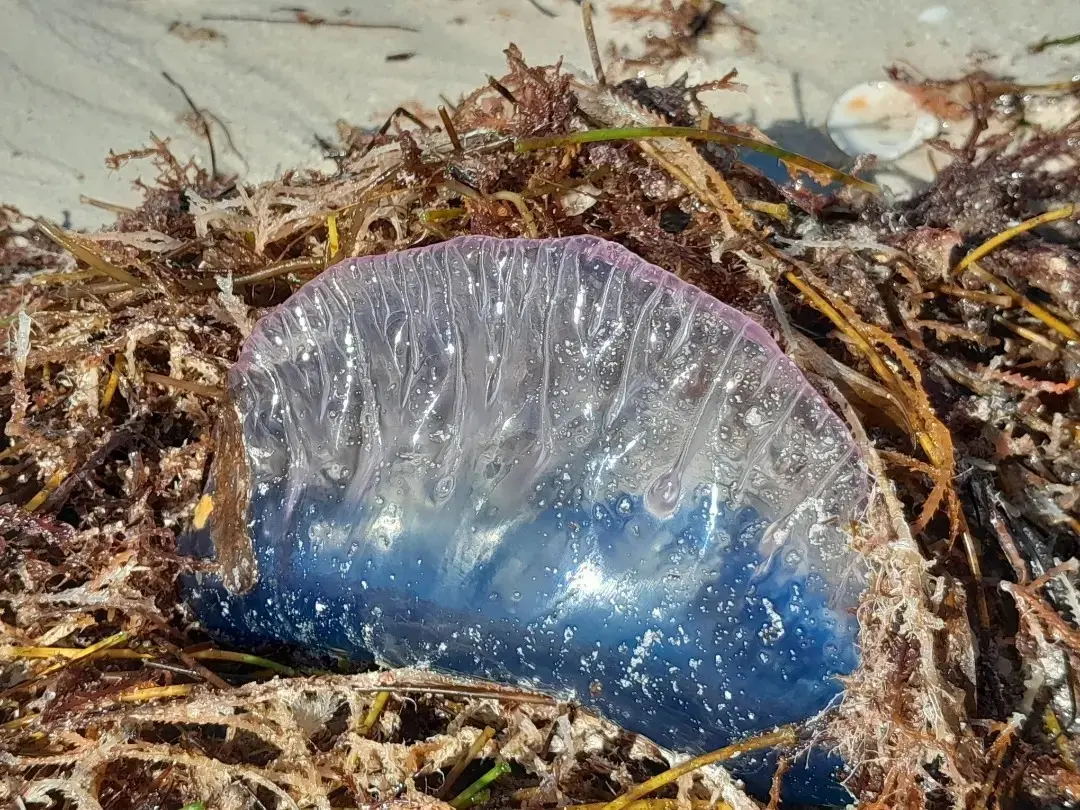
point(944, 328)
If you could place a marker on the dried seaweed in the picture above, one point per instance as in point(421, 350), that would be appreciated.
point(943, 329)
point(687, 23)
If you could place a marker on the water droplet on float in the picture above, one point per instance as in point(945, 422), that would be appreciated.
point(337, 472)
point(663, 495)
point(444, 488)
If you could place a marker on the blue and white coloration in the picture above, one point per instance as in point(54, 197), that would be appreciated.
point(551, 464)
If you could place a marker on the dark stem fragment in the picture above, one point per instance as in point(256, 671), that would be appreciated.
point(204, 125)
point(590, 36)
point(547, 12)
point(1047, 42)
point(303, 18)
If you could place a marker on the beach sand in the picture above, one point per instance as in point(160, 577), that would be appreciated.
point(81, 79)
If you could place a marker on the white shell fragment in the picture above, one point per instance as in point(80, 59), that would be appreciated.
point(881, 119)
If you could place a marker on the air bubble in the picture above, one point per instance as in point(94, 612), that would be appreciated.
point(663, 495)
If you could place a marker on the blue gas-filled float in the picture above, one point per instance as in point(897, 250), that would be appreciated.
point(550, 464)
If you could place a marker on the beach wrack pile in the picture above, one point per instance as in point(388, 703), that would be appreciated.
point(943, 328)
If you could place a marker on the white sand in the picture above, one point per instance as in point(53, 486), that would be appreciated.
point(82, 78)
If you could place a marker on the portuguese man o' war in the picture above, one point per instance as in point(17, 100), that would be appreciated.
point(550, 464)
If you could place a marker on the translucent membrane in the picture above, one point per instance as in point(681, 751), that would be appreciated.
point(547, 463)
